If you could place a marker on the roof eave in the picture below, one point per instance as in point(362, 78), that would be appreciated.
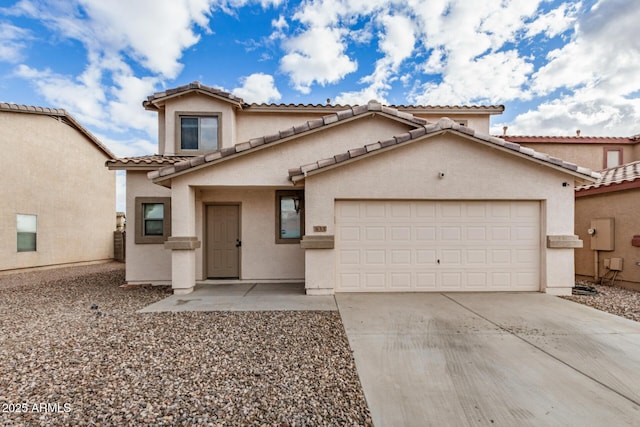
point(155, 104)
point(580, 177)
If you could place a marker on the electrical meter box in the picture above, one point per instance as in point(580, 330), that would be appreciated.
point(602, 236)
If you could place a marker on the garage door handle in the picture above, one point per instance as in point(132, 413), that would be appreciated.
point(438, 261)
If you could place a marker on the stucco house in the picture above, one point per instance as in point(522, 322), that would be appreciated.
point(345, 198)
point(613, 200)
point(593, 152)
point(58, 199)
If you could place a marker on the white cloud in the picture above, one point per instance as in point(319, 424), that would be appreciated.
point(492, 79)
point(158, 40)
point(128, 147)
point(12, 42)
point(258, 88)
point(396, 44)
point(553, 22)
point(125, 109)
point(83, 97)
point(599, 115)
point(596, 72)
point(317, 56)
point(107, 95)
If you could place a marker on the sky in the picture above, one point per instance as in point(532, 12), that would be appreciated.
point(557, 66)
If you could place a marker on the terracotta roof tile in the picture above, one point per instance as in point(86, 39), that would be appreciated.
point(534, 139)
point(442, 125)
point(152, 160)
point(628, 172)
point(191, 87)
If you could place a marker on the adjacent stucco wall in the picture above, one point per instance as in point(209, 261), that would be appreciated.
point(255, 125)
point(472, 171)
point(147, 263)
point(55, 172)
point(591, 156)
point(626, 225)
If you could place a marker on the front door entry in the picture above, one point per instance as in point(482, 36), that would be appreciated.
point(223, 241)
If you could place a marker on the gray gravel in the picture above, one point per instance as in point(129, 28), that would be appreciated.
point(614, 300)
point(109, 365)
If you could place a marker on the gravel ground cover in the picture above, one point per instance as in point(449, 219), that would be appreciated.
point(614, 300)
point(73, 351)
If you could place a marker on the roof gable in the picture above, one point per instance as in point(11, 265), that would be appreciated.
point(62, 115)
point(153, 101)
point(352, 113)
point(444, 125)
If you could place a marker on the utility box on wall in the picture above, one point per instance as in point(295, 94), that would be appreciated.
point(602, 234)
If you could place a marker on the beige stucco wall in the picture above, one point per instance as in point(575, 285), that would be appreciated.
point(269, 167)
point(472, 171)
point(146, 263)
point(626, 225)
point(55, 172)
point(197, 103)
point(253, 125)
point(587, 155)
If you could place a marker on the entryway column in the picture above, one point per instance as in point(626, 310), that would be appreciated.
point(183, 241)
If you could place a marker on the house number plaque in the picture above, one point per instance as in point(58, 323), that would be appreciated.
point(319, 228)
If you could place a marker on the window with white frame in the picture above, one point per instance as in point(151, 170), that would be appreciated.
point(612, 157)
point(198, 133)
point(27, 232)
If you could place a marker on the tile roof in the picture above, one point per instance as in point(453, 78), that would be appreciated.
point(535, 139)
point(443, 125)
point(193, 86)
point(373, 107)
point(412, 109)
point(152, 161)
point(422, 128)
point(615, 177)
point(196, 86)
point(59, 113)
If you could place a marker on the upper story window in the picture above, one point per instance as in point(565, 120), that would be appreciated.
point(612, 157)
point(198, 132)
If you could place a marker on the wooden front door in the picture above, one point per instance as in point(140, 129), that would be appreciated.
point(223, 241)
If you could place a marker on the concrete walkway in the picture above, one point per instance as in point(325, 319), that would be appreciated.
point(495, 359)
point(245, 297)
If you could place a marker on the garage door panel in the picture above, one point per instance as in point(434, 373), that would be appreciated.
point(396, 245)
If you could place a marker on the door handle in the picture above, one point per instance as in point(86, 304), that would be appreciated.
point(238, 243)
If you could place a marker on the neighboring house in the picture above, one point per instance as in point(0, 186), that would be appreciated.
point(596, 153)
point(615, 195)
point(346, 199)
point(58, 200)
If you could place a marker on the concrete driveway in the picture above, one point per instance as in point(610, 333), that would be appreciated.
point(492, 359)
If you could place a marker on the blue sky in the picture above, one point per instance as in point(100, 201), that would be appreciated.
point(557, 66)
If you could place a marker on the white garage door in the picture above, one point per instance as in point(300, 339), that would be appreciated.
point(391, 246)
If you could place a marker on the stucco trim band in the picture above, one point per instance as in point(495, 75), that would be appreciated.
point(564, 242)
point(182, 243)
point(317, 242)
